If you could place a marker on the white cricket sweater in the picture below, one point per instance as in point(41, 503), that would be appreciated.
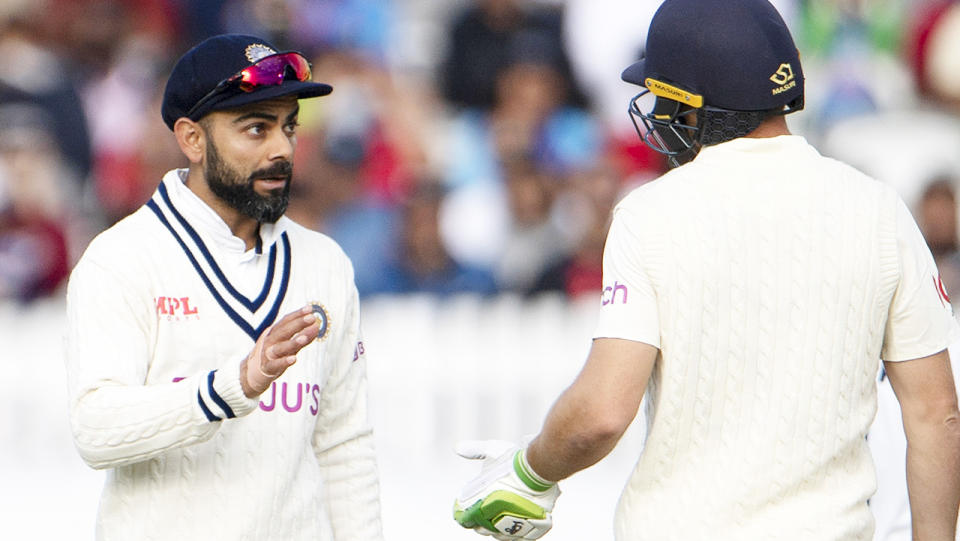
point(162, 309)
point(773, 280)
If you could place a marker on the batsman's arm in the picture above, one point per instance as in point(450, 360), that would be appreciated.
point(589, 418)
point(928, 400)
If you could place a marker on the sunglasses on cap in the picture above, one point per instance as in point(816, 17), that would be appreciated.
point(272, 70)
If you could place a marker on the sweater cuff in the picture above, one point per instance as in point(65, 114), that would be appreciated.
point(221, 396)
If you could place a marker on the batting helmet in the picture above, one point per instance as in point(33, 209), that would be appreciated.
point(733, 62)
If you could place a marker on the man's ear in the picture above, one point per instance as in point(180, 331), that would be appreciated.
point(192, 139)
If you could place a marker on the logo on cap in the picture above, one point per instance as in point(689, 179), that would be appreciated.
point(784, 78)
point(257, 52)
point(664, 90)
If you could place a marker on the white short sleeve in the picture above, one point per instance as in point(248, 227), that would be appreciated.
point(920, 322)
point(628, 302)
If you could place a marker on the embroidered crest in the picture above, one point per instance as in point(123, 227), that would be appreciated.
point(322, 319)
point(257, 51)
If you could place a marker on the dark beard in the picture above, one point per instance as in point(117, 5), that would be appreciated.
point(238, 192)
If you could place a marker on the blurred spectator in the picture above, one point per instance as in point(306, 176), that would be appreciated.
point(851, 61)
point(529, 118)
point(36, 220)
point(822, 21)
point(119, 50)
point(529, 115)
point(482, 41)
point(914, 139)
point(362, 27)
point(328, 195)
point(603, 36)
point(932, 44)
point(361, 151)
point(534, 241)
point(269, 19)
point(421, 263)
point(32, 74)
point(198, 20)
point(584, 209)
point(937, 218)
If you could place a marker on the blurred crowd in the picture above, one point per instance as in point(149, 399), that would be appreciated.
point(469, 146)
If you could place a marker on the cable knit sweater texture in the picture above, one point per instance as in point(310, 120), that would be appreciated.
point(773, 280)
point(162, 309)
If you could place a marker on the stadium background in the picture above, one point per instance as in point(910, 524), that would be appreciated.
point(471, 195)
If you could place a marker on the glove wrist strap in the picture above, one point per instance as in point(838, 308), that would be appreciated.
point(527, 475)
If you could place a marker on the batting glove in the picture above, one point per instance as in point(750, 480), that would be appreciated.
point(507, 500)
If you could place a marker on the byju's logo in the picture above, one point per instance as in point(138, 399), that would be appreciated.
point(783, 78)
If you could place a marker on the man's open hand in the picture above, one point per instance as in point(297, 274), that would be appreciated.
point(276, 350)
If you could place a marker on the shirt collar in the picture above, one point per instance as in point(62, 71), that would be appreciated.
point(210, 224)
point(756, 146)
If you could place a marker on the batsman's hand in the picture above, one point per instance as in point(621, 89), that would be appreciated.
point(276, 350)
point(507, 500)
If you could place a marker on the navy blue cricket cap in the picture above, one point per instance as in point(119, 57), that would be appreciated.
point(202, 68)
point(734, 54)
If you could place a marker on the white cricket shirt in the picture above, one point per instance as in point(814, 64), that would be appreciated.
point(773, 280)
point(162, 309)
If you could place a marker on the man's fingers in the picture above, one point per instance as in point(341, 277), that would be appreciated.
point(280, 355)
point(291, 324)
point(290, 346)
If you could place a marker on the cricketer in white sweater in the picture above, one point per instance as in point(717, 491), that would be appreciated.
point(772, 280)
point(162, 309)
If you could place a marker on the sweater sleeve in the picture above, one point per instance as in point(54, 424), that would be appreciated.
point(920, 320)
point(343, 439)
point(116, 418)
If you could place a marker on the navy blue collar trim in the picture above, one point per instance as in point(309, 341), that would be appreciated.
point(252, 305)
point(250, 328)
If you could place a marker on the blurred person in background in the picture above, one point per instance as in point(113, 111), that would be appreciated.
point(480, 44)
point(420, 262)
point(214, 359)
point(34, 73)
point(40, 230)
point(531, 119)
point(364, 150)
point(912, 133)
point(937, 218)
point(535, 240)
point(584, 208)
point(118, 51)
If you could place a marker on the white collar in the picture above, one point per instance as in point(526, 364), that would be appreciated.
point(209, 223)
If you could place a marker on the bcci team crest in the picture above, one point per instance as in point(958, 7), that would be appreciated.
point(323, 320)
point(257, 52)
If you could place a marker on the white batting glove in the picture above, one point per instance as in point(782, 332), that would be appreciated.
point(507, 500)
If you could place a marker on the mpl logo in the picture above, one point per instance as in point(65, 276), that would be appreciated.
point(783, 78)
point(176, 308)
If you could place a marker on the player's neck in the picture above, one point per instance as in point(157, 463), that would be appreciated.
point(772, 127)
point(242, 226)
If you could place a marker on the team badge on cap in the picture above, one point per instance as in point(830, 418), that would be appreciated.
point(323, 320)
point(258, 51)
